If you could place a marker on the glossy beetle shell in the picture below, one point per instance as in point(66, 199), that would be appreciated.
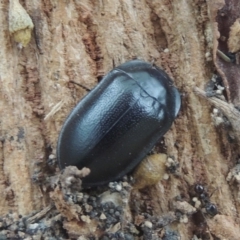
point(117, 123)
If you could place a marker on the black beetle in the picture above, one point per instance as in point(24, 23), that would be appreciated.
point(204, 197)
point(211, 209)
point(199, 189)
point(117, 123)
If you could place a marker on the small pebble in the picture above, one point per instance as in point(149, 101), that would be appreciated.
point(148, 224)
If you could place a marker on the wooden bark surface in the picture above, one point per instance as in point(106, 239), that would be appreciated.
point(81, 41)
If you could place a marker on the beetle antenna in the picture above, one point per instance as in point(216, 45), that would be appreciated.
point(213, 192)
point(80, 85)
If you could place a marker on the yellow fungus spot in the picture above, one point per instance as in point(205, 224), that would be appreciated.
point(20, 23)
point(150, 171)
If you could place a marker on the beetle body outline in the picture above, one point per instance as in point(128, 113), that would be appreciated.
point(116, 124)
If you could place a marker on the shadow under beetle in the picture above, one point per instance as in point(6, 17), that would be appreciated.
point(117, 123)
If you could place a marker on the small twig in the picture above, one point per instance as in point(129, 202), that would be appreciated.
point(40, 214)
point(227, 109)
point(55, 109)
point(223, 56)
